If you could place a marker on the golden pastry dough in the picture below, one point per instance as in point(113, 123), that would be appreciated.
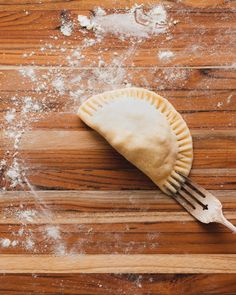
point(146, 129)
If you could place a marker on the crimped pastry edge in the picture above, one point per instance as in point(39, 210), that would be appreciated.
point(179, 127)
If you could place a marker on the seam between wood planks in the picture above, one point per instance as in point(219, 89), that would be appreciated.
point(126, 67)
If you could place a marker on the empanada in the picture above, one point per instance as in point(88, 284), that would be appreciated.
point(146, 129)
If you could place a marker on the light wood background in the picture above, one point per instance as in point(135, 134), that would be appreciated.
point(122, 234)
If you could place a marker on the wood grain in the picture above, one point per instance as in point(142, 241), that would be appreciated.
point(127, 222)
point(38, 27)
point(85, 159)
point(110, 217)
point(16, 5)
point(119, 263)
point(138, 284)
point(198, 81)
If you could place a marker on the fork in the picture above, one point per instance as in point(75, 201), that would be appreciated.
point(199, 202)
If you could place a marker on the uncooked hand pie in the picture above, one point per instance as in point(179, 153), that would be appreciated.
point(146, 129)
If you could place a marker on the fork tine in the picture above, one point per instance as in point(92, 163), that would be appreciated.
point(189, 198)
point(195, 199)
point(196, 186)
point(181, 200)
point(187, 193)
point(184, 202)
point(195, 195)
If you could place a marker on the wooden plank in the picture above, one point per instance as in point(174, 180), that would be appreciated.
point(113, 222)
point(128, 179)
point(110, 159)
point(185, 237)
point(170, 81)
point(220, 56)
point(136, 222)
point(50, 20)
point(103, 216)
point(104, 284)
point(184, 100)
point(188, 5)
point(52, 121)
point(104, 201)
point(209, 30)
point(216, 5)
point(119, 263)
point(89, 159)
point(40, 140)
point(212, 120)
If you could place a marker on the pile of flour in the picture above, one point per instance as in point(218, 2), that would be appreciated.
point(134, 23)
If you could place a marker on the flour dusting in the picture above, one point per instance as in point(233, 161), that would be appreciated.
point(88, 65)
point(134, 23)
point(167, 54)
point(5, 243)
point(67, 28)
point(14, 174)
point(53, 232)
point(26, 215)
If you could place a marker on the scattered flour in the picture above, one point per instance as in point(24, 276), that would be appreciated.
point(29, 243)
point(60, 250)
point(5, 243)
point(10, 115)
point(85, 22)
point(29, 73)
point(134, 23)
point(58, 85)
point(66, 28)
point(66, 24)
point(53, 232)
point(30, 106)
point(26, 215)
point(165, 54)
point(14, 243)
point(14, 174)
point(21, 231)
point(52, 88)
point(3, 164)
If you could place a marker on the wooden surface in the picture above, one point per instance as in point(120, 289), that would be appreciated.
point(118, 234)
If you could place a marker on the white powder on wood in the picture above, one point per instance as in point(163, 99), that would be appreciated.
point(53, 232)
point(134, 23)
point(60, 250)
point(85, 22)
point(5, 243)
point(58, 85)
point(165, 54)
point(14, 173)
point(21, 231)
point(26, 215)
point(29, 243)
point(10, 115)
point(3, 164)
point(67, 28)
point(14, 243)
point(29, 73)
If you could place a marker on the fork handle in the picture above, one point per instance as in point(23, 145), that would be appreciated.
point(226, 223)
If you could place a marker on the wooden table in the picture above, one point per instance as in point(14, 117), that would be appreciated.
point(97, 225)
